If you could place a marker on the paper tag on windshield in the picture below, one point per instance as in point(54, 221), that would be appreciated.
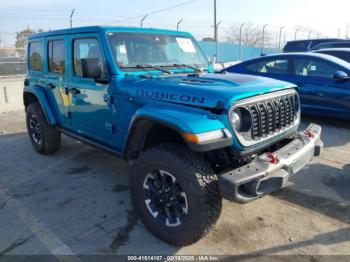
point(122, 49)
point(186, 45)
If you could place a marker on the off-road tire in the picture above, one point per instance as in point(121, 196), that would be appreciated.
point(197, 179)
point(50, 136)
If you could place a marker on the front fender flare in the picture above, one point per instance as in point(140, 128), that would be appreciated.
point(41, 96)
point(182, 120)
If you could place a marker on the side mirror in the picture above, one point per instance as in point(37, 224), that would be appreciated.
point(341, 76)
point(102, 80)
point(91, 67)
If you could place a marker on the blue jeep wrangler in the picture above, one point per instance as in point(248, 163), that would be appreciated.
point(192, 137)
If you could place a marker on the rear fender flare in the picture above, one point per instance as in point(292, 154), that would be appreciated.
point(40, 94)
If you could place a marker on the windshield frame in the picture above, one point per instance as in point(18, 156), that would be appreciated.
point(135, 70)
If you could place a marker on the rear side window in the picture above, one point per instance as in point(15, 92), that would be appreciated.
point(56, 52)
point(36, 56)
point(314, 68)
point(341, 45)
point(275, 66)
point(87, 51)
point(342, 55)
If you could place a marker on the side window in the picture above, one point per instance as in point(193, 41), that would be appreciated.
point(87, 58)
point(276, 66)
point(342, 55)
point(56, 54)
point(36, 56)
point(315, 68)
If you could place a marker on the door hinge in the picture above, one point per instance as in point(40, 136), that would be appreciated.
point(109, 127)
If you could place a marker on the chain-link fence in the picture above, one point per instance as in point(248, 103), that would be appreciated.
point(12, 61)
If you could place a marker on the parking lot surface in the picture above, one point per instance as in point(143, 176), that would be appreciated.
point(77, 202)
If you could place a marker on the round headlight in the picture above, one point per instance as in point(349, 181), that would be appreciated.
point(241, 120)
point(235, 120)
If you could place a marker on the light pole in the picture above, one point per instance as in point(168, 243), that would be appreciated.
point(310, 32)
point(280, 38)
point(71, 18)
point(339, 32)
point(276, 40)
point(263, 39)
point(240, 41)
point(216, 40)
point(295, 34)
point(215, 23)
point(178, 24)
point(143, 19)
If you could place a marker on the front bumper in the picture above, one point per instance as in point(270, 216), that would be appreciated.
point(271, 171)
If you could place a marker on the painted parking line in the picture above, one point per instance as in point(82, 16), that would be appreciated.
point(47, 237)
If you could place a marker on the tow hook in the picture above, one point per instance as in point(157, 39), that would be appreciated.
point(309, 133)
point(270, 157)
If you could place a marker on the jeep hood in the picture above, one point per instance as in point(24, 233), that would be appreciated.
point(205, 91)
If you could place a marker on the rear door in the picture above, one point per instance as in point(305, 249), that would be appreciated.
point(56, 78)
point(319, 92)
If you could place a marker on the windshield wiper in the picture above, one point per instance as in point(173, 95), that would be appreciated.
point(143, 67)
point(195, 68)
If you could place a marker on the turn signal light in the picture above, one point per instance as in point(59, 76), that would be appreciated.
point(204, 137)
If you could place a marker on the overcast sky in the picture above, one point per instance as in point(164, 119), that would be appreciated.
point(322, 16)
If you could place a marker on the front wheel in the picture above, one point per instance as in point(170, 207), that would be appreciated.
point(176, 194)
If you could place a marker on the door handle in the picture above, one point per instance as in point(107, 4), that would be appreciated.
point(51, 86)
point(74, 91)
point(300, 84)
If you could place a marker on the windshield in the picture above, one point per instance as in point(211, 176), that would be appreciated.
point(132, 50)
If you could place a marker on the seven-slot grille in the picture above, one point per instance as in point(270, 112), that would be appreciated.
point(272, 116)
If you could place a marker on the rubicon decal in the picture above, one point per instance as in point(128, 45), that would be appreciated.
point(171, 96)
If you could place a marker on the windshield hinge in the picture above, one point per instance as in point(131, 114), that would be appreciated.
point(108, 99)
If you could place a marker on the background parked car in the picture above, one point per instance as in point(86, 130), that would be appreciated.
point(342, 53)
point(336, 44)
point(306, 45)
point(322, 80)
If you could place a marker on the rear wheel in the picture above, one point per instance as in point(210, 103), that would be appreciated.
point(45, 138)
point(176, 194)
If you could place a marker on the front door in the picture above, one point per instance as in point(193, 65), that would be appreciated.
point(92, 113)
point(319, 91)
